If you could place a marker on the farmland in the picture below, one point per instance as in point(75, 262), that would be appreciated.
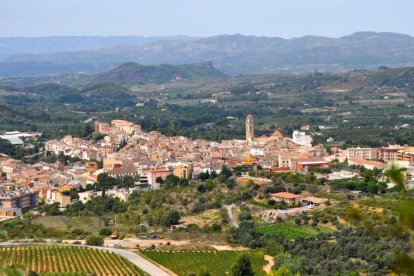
point(217, 262)
point(291, 231)
point(48, 260)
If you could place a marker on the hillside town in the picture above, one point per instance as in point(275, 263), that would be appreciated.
point(149, 157)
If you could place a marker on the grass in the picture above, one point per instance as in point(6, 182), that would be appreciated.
point(66, 260)
point(208, 217)
point(290, 230)
point(217, 262)
point(65, 223)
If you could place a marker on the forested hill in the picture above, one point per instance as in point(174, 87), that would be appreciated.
point(126, 74)
point(134, 73)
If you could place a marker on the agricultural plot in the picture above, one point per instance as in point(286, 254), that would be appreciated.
point(287, 232)
point(66, 260)
point(291, 231)
point(217, 262)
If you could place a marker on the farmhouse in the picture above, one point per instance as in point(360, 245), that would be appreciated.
point(286, 197)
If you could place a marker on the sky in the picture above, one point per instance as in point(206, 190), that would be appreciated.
point(281, 18)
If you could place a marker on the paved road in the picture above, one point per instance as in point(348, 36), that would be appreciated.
point(136, 259)
point(232, 220)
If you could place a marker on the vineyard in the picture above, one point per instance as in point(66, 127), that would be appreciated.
point(286, 231)
point(66, 260)
point(291, 231)
point(217, 262)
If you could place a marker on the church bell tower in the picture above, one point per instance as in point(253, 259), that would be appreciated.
point(249, 128)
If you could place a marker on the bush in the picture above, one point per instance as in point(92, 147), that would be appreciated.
point(105, 231)
point(95, 241)
point(242, 267)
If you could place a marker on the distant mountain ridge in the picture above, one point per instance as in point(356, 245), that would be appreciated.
point(125, 74)
point(239, 54)
point(53, 44)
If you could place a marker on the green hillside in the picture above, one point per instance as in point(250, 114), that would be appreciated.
point(135, 73)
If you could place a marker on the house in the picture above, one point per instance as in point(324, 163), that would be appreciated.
point(390, 153)
point(365, 153)
point(409, 179)
point(406, 155)
point(182, 171)
point(301, 138)
point(367, 164)
point(302, 164)
point(91, 166)
point(53, 196)
point(286, 197)
point(86, 196)
point(154, 174)
point(118, 171)
point(13, 202)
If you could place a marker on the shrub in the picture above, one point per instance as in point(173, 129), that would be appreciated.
point(105, 231)
point(95, 241)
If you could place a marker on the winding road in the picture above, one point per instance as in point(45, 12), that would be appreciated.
point(232, 219)
point(136, 259)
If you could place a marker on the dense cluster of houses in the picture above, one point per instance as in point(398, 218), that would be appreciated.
point(126, 150)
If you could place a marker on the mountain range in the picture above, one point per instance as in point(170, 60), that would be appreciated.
point(231, 54)
point(126, 74)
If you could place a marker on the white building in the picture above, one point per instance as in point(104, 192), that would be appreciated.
point(88, 195)
point(16, 137)
point(302, 139)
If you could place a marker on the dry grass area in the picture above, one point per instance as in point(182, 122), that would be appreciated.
point(205, 218)
point(90, 224)
point(368, 208)
point(243, 180)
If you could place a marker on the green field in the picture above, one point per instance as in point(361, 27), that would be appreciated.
point(66, 260)
point(291, 231)
point(218, 262)
point(64, 223)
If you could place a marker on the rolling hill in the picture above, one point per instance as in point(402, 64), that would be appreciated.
point(134, 73)
point(124, 75)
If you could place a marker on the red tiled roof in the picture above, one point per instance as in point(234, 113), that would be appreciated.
point(359, 160)
point(159, 170)
point(280, 169)
point(285, 195)
point(277, 133)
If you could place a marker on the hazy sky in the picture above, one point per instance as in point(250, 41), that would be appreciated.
point(284, 18)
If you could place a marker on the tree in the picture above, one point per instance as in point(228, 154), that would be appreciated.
point(173, 217)
point(203, 271)
point(245, 215)
point(242, 267)
point(171, 181)
point(159, 180)
point(95, 241)
point(226, 172)
point(282, 271)
point(272, 247)
point(396, 175)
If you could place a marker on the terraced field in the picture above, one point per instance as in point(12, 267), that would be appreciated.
point(66, 260)
point(218, 262)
